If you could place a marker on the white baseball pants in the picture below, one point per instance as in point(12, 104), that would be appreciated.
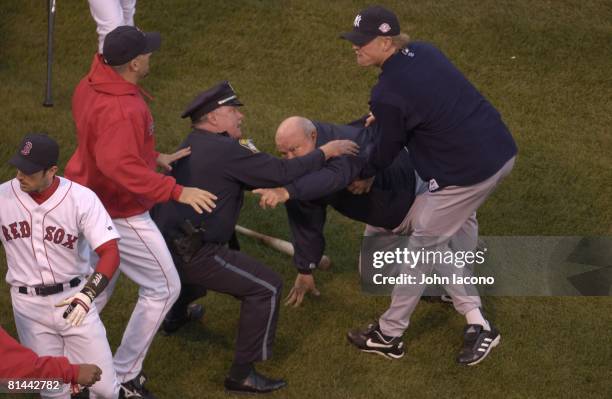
point(145, 259)
point(110, 14)
point(42, 328)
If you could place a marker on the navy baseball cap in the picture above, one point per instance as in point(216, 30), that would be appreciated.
point(124, 43)
point(36, 152)
point(371, 22)
point(217, 96)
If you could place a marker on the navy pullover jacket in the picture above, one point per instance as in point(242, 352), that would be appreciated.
point(454, 135)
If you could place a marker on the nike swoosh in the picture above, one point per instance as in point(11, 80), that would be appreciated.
point(372, 344)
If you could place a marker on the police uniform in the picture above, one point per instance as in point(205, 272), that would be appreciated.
point(226, 167)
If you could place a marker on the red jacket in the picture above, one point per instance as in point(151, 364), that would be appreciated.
point(20, 362)
point(115, 154)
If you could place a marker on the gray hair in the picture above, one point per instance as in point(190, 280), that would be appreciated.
point(400, 41)
point(202, 119)
point(307, 126)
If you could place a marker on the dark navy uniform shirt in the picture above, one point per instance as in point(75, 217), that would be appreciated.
point(385, 205)
point(225, 167)
point(454, 135)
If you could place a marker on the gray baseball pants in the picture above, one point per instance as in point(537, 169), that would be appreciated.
point(444, 219)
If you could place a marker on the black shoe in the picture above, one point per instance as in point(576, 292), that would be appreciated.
point(135, 389)
point(254, 383)
point(477, 343)
point(371, 340)
point(194, 312)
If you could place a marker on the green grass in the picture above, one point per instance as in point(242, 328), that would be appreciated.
point(545, 65)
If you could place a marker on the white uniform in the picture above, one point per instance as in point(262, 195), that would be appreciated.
point(146, 260)
point(48, 244)
point(110, 14)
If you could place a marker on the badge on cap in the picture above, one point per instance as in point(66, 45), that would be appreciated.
point(384, 28)
point(248, 144)
point(25, 151)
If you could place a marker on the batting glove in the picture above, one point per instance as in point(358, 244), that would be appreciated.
point(77, 309)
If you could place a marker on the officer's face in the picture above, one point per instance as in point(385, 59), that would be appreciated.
point(296, 145)
point(373, 53)
point(228, 119)
point(36, 182)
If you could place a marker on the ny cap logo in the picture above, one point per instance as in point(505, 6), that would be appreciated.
point(384, 27)
point(357, 21)
point(26, 148)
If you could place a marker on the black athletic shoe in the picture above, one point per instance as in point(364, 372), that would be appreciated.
point(194, 312)
point(135, 389)
point(477, 343)
point(254, 383)
point(371, 340)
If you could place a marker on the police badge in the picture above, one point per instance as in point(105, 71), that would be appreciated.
point(248, 144)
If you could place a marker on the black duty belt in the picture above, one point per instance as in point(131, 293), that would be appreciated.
point(46, 290)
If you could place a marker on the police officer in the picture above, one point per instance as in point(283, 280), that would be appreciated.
point(458, 144)
point(227, 165)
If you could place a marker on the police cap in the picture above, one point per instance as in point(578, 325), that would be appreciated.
point(211, 99)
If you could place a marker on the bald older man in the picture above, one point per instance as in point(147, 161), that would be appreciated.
point(308, 197)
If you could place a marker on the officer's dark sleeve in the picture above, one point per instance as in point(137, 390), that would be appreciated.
point(337, 174)
point(306, 220)
point(393, 129)
point(261, 170)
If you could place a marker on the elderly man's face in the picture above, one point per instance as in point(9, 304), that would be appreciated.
point(296, 144)
point(373, 53)
point(229, 119)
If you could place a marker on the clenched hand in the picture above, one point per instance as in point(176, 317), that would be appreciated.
point(270, 197)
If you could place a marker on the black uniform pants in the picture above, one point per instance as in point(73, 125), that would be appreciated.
point(218, 268)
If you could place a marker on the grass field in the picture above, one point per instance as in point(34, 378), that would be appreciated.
point(546, 65)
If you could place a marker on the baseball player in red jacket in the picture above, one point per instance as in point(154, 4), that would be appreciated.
point(116, 158)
